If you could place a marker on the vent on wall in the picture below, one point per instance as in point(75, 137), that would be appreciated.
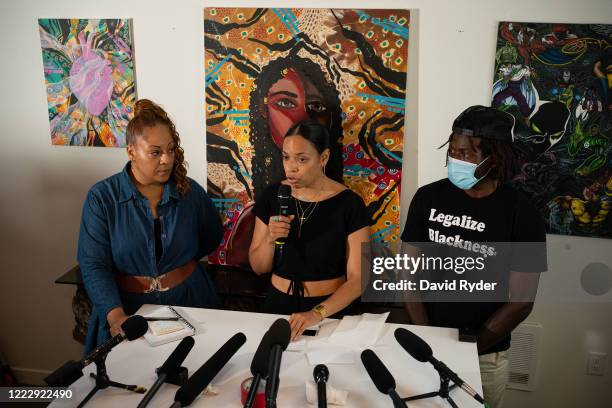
point(524, 356)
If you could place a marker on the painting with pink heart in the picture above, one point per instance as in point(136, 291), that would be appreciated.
point(89, 78)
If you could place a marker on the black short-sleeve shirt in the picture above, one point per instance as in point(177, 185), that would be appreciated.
point(441, 212)
point(319, 252)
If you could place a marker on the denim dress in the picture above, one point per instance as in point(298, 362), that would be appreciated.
point(117, 236)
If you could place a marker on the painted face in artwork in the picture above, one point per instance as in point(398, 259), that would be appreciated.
point(566, 76)
point(290, 100)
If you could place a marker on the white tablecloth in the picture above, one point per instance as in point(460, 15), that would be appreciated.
point(135, 362)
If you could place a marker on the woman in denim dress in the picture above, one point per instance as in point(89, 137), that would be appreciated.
point(144, 229)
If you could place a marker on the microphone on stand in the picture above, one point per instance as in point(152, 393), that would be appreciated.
point(259, 367)
point(284, 198)
point(421, 351)
point(321, 375)
point(205, 374)
point(170, 368)
point(134, 327)
point(381, 377)
point(279, 340)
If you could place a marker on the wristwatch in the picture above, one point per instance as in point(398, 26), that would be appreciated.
point(320, 309)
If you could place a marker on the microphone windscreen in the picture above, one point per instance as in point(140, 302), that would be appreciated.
point(65, 375)
point(260, 362)
point(205, 374)
point(381, 377)
point(321, 373)
point(413, 344)
point(134, 327)
point(176, 358)
point(280, 333)
point(284, 191)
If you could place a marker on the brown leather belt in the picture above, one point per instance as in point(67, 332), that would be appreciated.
point(148, 284)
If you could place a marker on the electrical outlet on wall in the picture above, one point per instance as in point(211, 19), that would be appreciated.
point(596, 363)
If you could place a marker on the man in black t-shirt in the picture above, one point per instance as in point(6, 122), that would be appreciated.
point(474, 209)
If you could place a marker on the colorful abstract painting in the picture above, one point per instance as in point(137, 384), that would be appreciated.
point(89, 78)
point(556, 80)
point(350, 69)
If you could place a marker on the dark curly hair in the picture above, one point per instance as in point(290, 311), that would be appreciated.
point(267, 164)
point(148, 114)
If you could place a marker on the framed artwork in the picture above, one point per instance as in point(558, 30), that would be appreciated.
point(266, 69)
point(556, 79)
point(89, 78)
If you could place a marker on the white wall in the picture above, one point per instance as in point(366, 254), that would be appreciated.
point(451, 67)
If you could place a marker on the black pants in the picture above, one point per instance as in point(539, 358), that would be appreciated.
point(278, 302)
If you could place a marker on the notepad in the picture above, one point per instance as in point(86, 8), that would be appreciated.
point(162, 332)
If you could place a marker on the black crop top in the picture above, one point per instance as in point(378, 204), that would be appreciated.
point(319, 253)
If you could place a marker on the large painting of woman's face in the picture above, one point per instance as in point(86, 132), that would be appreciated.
point(268, 69)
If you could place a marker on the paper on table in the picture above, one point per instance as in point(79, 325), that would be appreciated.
point(359, 331)
point(322, 352)
point(330, 356)
point(299, 345)
point(159, 327)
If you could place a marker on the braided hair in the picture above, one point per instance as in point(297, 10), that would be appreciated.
point(504, 156)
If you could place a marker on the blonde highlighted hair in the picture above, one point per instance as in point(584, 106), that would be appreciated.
point(148, 114)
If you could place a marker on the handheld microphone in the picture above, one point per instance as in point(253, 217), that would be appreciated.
point(284, 197)
point(205, 374)
point(421, 351)
point(381, 377)
point(169, 368)
point(280, 334)
point(134, 327)
point(321, 375)
point(259, 367)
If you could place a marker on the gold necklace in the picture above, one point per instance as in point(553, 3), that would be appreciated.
point(304, 215)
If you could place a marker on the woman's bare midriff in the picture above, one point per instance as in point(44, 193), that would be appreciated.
point(311, 288)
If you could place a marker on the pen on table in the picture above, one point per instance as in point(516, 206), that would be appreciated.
point(152, 319)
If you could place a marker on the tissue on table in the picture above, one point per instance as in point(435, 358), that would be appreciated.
point(334, 395)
